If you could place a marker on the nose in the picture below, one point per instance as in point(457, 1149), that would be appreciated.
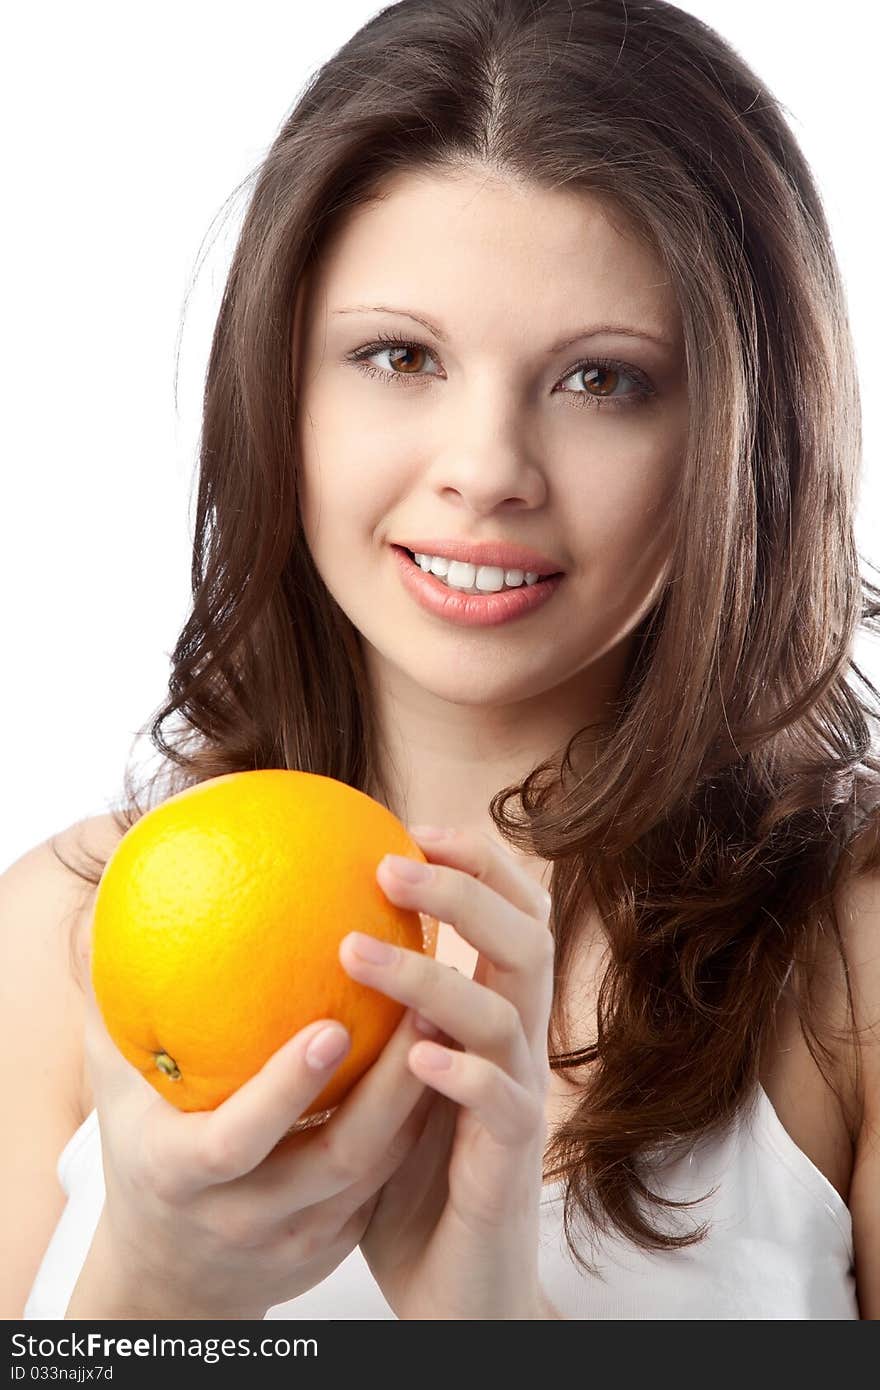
point(488, 463)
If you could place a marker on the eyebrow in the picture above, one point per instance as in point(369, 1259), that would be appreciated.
point(617, 329)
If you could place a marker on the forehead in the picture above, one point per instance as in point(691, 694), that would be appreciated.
point(476, 241)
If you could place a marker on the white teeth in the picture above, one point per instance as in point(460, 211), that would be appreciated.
point(486, 579)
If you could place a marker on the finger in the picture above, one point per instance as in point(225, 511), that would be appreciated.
point(396, 1147)
point(422, 1187)
point(205, 1147)
point(471, 874)
point(358, 1146)
point(478, 1017)
point(510, 1112)
point(518, 946)
point(278, 1192)
point(483, 857)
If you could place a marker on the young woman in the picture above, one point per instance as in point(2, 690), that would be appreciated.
point(536, 299)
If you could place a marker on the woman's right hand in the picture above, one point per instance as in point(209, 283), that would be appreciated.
point(223, 1213)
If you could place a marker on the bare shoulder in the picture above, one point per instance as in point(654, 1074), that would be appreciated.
point(84, 846)
point(95, 836)
point(92, 841)
point(42, 1019)
point(53, 902)
point(43, 894)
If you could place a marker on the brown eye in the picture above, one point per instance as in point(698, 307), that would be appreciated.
point(600, 378)
point(396, 353)
point(401, 350)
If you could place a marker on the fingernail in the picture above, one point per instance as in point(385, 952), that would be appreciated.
point(371, 949)
point(430, 1055)
point(327, 1047)
point(424, 1025)
point(430, 832)
point(409, 869)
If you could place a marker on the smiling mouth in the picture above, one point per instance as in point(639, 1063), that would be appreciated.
point(473, 590)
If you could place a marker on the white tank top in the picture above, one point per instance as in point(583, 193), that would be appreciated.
point(780, 1244)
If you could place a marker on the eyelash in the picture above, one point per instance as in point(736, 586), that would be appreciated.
point(644, 390)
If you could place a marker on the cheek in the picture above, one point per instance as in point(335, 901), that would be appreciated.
point(626, 507)
point(627, 555)
point(334, 469)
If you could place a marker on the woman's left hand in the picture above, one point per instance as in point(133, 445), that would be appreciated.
point(454, 1233)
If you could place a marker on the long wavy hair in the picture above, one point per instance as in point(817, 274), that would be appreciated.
point(736, 767)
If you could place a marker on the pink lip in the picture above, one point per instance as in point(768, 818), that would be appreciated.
point(501, 553)
point(471, 610)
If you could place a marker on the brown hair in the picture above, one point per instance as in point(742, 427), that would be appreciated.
point(720, 813)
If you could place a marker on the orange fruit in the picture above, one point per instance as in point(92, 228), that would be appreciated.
point(217, 923)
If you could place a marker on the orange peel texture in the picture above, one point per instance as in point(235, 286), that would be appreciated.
point(217, 925)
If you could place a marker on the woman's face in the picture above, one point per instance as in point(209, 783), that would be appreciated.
point(490, 432)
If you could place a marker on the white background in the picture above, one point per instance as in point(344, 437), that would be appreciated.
point(126, 129)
